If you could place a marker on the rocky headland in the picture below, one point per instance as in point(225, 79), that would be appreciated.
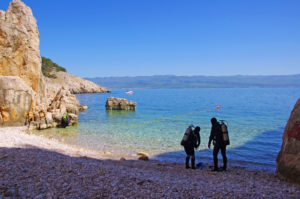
point(26, 96)
point(74, 84)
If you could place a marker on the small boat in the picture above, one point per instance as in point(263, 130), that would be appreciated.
point(129, 92)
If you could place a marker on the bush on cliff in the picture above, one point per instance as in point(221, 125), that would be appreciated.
point(48, 67)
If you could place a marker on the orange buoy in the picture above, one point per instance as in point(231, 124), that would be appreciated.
point(218, 107)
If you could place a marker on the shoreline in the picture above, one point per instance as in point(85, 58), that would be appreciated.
point(20, 137)
point(117, 152)
point(88, 173)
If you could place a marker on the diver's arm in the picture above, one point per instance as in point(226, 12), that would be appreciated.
point(198, 140)
point(210, 137)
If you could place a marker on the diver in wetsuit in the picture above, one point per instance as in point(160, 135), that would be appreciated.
point(65, 120)
point(189, 148)
point(216, 136)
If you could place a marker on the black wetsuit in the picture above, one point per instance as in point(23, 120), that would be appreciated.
point(190, 149)
point(217, 137)
point(65, 121)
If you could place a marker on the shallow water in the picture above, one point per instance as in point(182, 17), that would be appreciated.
point(256, 119)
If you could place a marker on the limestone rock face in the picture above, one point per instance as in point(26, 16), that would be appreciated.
point(74, 84)
point(19, 46)
point(20, 57)
point(15, 100)
point(114, 103)
point(23, 97)
point(288, 159)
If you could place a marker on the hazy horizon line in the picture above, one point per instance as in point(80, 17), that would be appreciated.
point(170, 75)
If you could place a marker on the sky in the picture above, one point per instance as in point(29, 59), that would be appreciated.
point(102, 38)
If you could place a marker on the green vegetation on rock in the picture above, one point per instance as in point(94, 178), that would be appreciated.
point(48, 67)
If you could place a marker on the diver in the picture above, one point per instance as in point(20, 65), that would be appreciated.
point(190, 141)
point(65, 120)
point(216, 136)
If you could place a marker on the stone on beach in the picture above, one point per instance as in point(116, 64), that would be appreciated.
point(122, 159)
point(143, 156)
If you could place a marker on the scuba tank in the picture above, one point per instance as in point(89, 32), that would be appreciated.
point(225, 132)
point(186, 139)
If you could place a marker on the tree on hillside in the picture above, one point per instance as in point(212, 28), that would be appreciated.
point(48, 67)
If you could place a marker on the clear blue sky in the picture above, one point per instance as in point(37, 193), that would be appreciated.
point(97, 38)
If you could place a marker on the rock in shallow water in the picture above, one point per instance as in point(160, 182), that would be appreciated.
point(114, 103)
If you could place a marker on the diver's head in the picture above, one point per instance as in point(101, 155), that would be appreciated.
point(213, 120)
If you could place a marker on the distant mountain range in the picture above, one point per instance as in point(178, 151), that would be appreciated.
point(171, 81)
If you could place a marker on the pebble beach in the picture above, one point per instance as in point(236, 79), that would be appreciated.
point(32, 166)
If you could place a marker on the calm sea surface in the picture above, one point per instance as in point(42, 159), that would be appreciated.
point(256, 118)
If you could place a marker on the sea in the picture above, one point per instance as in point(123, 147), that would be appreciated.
point(256, 118)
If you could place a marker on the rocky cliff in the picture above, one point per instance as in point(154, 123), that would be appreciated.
point(25, 95)
point(288, 159)
point(19, 46)
point(20, 57)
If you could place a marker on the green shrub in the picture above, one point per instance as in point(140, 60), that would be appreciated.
point(48, 67)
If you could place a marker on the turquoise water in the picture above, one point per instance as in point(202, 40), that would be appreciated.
point(256, 119)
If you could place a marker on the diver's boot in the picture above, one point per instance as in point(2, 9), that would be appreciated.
point(224, 165)
point(193, 163)
point(215, 164)
point(215, 169)
point(187, 159)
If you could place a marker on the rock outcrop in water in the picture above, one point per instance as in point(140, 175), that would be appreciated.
point(25, 97)
point(288, 159)
point(114, 103)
